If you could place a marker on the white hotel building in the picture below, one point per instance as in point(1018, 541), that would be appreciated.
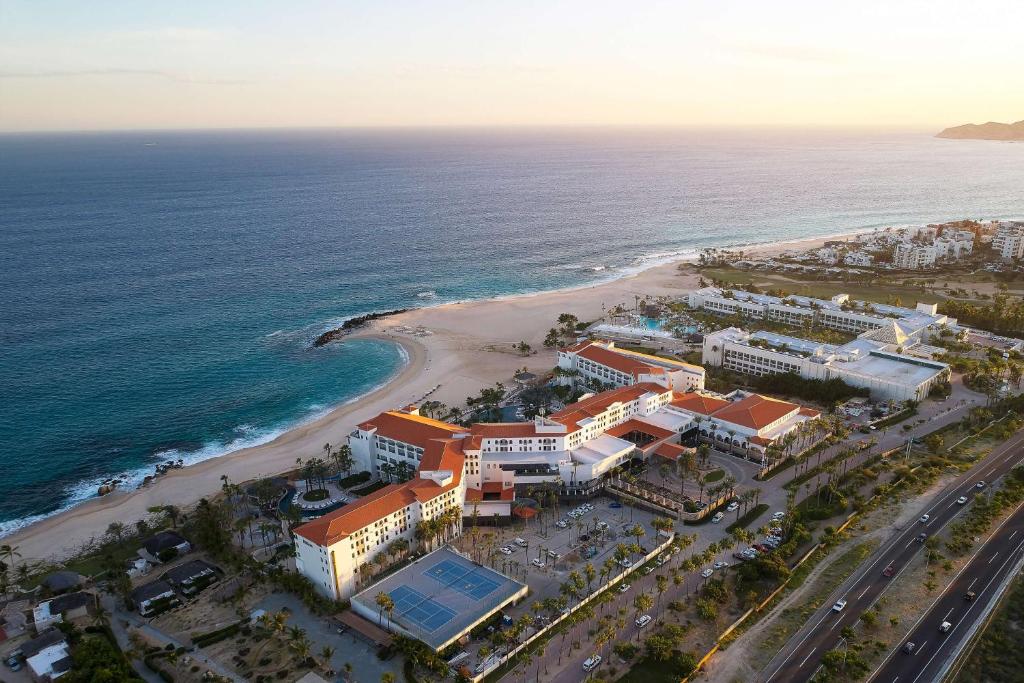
point(478, 468)
point(870, 361)
point(838, 313)
point(601, 361)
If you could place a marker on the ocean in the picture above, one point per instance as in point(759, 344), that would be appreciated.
point(160, 290)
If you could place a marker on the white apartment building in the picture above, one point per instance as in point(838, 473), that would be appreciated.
point(909, 256)
point(602, 362)
point(874, 361)
point(1009, 241)
point(951, 249)
point(858, 258)
point(330, 550)
point(838, 313)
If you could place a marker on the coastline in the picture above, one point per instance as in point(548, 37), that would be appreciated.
point(468, 348)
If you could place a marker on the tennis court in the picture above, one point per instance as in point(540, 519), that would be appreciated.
point(412, 605)
point(439, 597)
point(469, 582)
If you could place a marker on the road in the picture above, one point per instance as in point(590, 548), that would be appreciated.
point(800, 658)
point(983, 575)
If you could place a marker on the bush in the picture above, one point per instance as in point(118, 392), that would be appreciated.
point(167, 555)
point(354, 480)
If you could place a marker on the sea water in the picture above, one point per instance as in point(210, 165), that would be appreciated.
point(159, 291)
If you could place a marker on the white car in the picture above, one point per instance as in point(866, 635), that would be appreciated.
point(506, 550)
point(624, 587)
point(840, 604)
point(592, 663)
point(945, 626)
point(778, 515)
point(561, 524)
point(980, 484)
point(719, 516)
point(924, 519)
point(625, 563)
point(521, 543)
point(537, 563)
point(707, 572)
point(643, 621)
point(602, 525)
point(720, 565)
point(962, 500)
point(733, 506)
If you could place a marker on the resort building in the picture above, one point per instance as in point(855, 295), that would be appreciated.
point(858, 258)
point(749, 423)
point(603, 362)
point(875, 361)
point(910, 256)
point(838, 313)
point(1009, 241)
point(331, 549)
point(478, 469)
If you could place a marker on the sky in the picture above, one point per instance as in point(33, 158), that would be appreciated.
point(230, 64)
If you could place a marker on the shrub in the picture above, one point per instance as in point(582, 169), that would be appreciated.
point(167, 555)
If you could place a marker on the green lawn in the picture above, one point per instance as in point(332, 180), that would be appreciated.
point(713, 476)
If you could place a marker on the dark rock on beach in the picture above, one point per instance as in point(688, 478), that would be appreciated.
point(353, 324)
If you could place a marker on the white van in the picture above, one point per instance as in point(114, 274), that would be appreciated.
point(592, 663)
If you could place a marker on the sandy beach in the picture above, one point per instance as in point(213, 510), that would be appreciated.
point(469, 347)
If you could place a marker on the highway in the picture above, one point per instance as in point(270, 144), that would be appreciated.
point(801, 656)
point(982, 576)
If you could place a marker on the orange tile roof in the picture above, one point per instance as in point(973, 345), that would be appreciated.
point(698, 403)
point(504, 493)
point(634, 425)
point(659, 360)
point(809, 412)
point(577, 347)
point(613, 359)
point(572, 414)
point(755, 411)
point(411, 429)
point(671, 451)
point(438, 455)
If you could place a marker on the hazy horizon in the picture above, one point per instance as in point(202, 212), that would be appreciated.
point(113, 66)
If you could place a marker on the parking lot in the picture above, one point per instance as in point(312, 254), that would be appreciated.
point(539, 541)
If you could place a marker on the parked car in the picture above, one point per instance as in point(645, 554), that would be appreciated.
point(592, 663)
point(924, 519)
point(505, 550)
point(624, 562)
point(707, 572)
point(561, 524)
point(720, 565)
point(624, 587)
point(910, 647)
point(537, 563)
point(615, 504)
point(643, 621)
point(840, 604)
point(962, 500)
point(719, 516)
point(778, 515)
point(945, 626)
point(732, 507)
point(969, 596)
point(980, 484)
point(889, 571)
point(921, 538)
point(521, 543)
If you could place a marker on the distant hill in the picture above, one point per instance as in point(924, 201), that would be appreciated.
point(985, 131)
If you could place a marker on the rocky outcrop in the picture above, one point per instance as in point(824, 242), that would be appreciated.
point(352, 324)
point(985, 131)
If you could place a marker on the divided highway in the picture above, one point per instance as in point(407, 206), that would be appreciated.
point(933, 648)
point(801, 656)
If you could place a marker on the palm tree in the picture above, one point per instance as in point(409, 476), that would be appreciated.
point(384, 603)
point(346, 669)
point(10, 552)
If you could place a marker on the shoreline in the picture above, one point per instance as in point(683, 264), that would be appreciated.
point(456, 360)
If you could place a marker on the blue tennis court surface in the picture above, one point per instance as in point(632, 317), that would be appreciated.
point(419, 609)
point(467, 581)
point(439, 597)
